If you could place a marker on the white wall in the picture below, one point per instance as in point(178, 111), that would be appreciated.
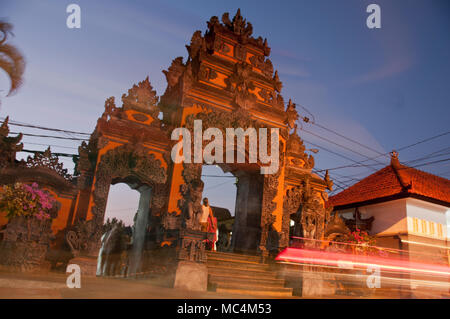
point(432, 214)
point(398, 216)
point(390, 217)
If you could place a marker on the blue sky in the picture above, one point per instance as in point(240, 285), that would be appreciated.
point(385, 88)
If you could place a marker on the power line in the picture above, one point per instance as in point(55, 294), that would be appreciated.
point(349, 139)
point(423, 141)
point(56, 154)
point(51, 145)
point(337, 154)
point(398, 149)
point(431, 155)
point(52, 136)
point(14, 123)
point(337, 144)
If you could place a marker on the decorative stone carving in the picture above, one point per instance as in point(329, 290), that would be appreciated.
point(110, 109)
point(81, 237)
point(314, 214)
point(270, 190)
point(240, 84)
point(47, 160)
point(193, 245)
point(296, 152)
point(237, 28)
point(9, 145)
point(328, 181)
point(265, 65)
point(206, 73)
point(26, 241)
point(238, 25)
point(291, 115)
point(192, 207)
point(220, 46)
point(175, 71)
point(240, 52)
point(197, 45)
point(128, 161)
point(276, 82)
point(142, 98)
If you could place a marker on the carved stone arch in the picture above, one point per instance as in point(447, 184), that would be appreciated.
point(123, 163)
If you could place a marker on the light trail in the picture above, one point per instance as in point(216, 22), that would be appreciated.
point(313, 257)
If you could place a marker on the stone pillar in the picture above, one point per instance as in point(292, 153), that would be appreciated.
point(192, 273)
point(246, 229)
point(140, 229)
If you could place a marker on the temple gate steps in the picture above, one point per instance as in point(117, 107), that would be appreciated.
point(243, 274)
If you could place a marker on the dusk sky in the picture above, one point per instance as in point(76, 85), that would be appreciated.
point(384, 88)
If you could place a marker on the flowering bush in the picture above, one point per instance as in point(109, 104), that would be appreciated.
point(362, 239)
point(25, 200)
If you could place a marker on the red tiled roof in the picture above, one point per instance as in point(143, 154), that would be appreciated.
point(395, 179)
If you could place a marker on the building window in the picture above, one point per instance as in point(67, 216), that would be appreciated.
point(415, 225)
point(424, 226)
point(431, 228)
point(439, 230)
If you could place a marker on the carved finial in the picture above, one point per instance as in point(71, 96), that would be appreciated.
point(141, 98)
point(197, 44)
point(403, 177)
point(291, 115)
point(4, 129)
point(174, 72)
point(394, 159)
point(239, 25)
point(276, 82)
point(328, 181)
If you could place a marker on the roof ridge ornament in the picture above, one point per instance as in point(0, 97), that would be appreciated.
point(47, 160)
point(399, 171)
point(238, 25)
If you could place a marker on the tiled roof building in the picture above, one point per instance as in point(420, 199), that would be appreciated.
point(393, 182)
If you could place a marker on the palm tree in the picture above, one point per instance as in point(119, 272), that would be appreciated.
point(11, 60)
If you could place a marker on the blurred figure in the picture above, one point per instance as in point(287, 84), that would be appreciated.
point(209, 223)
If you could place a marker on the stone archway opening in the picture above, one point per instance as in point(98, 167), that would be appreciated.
point(220, 189)
point(123, 239)
point(246, 231)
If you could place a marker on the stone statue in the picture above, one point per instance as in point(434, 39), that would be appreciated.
point(113, 244)
point(193, 207)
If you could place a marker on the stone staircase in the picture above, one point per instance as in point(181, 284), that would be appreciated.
point(243, 274)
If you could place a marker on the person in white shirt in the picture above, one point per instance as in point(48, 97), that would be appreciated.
point(206, 211)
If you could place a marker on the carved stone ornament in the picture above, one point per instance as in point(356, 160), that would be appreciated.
point(238, 25)
point(291, 115)
point(296, 150)
point(82, 236)
point(206, 73)
point(123, 162)
point(110, 108)
point(142, 98)
point(265, 65)
point(9, 145)
point(48, 160)
point(238, 28)
point(197, 45)
point(174, 72)
point(270, 190)
point(240, 84)
point(328, 181)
